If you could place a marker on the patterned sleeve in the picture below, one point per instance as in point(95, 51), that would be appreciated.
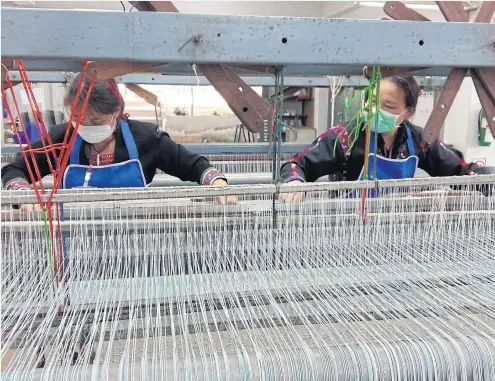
point(210, 175)
point(439, 160)
point(323, 157)
point(17, 184)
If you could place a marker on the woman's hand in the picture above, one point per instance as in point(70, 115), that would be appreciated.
point(30, 208)
point(291, 197)
point(222, 200)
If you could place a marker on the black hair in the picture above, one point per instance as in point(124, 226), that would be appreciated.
point(410, 87)
point(104, 97)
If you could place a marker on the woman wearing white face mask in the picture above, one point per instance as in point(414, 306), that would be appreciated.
point(400, 147)
point(111, 151)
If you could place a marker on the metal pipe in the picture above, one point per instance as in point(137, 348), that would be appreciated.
point(351, 70)
point(204, 207)
point(209, 218)
point(97, 194)
point(191, 80)
point(213, 148)
point(163, 180)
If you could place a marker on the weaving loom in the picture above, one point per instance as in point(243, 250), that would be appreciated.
point(163, 284)
point(181, 289)
point(229, 163)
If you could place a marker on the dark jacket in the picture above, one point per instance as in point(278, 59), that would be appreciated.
point(330, 155)
point(155, 149)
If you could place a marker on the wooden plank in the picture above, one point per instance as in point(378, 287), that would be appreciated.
point(485, 13)
point(112, 69)
point(148, 96)
point(7, 65)
point(443, 105)
point(154, 6)
point(247, 105)
point(399, 11)
point(486, 101)
point(390, 71)
point(453, 11)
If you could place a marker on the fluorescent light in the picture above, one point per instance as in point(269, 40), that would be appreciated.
point(380, 4)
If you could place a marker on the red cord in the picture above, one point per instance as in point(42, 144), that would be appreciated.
point(272, 126)
point(365, 172)
point(62, 162)
point(34, 105)
point(66, 154)
point(23, 154)
point(21, 121)
point(115, 88)
point(36, 113)
point(72, 112)
point(49, 150)
point(54, 252)
point(363, 204)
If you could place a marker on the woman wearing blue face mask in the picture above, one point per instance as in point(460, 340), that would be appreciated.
point(111, 151)
point(400, 148)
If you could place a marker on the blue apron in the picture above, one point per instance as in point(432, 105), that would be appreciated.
point(390, 169)
point(128, 174)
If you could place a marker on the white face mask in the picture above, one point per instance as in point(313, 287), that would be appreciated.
point(94, 134)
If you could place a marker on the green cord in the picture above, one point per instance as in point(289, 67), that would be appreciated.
point(354, 133)
point(377, 104)
point(347, 102)
point(49, 247)
point(372, 86)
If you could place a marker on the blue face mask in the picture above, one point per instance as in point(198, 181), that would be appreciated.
point(384, 122)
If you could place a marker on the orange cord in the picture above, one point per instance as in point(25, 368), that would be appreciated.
point(365, 170)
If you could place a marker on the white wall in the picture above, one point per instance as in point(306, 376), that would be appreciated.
point(320, 102)
point(364, 12)
point(456, 127)
point(473, 150)
point(461, 125)
point(253, 8)
point(423, 109)
point(220, 127)
point(350, 9)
